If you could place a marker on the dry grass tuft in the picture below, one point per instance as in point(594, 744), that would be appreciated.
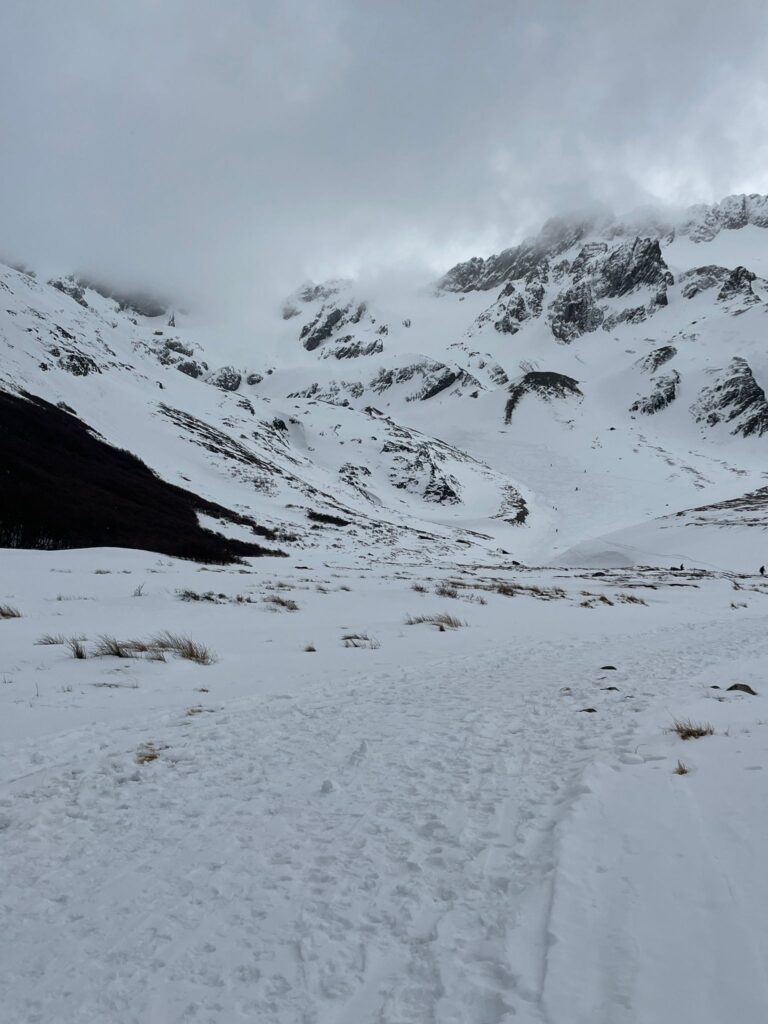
point(50, 640)
point(147, 753)
point(630, 599)
point(507, 589)
point(76, 648)
point(681, 769)
point(419, 588)
point(442, 620)
point(110, 647)
point(688, 730)
point(446, 589)
point(155, 648)
point(7, 611)
point(360, 640)
point(286, 603)
point(183, 646)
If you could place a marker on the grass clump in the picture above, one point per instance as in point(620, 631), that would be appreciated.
point(285, 603)
point(446, 589)
point(147, 753)
point(50, 640)
point(76, 648)
point(155, 648)
point(442, 620)
point(688, 730)
point(419, 588)
point(681, 768)
point(110, 647)
point(182, 646)
point(361, 640)
point(7, 611)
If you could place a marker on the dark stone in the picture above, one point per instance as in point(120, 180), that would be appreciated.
point(743, 688)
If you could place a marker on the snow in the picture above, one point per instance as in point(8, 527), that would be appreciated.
point(434, 829)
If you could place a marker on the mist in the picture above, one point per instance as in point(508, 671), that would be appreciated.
point(225, 151)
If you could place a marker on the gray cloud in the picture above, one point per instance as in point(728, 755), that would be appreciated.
point(230, 148)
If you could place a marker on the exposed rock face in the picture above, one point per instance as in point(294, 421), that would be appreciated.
point(700, 279)
point(735, 398)
point(545, 385)
point(71, 287)
point(416, 467)
point(738, 285)
point(703, 223)
point(575, 312)
point(227, 378)
point(435, 377)
point(633, 265)
point(657, 358)
point(665, 389)
point(349, 348)
point(311, 292)
point(598, 272)
point(558, 235)
point(328, 321)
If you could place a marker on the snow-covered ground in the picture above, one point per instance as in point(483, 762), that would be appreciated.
point(478, 824)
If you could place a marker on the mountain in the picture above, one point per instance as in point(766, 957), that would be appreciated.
point(572, 396)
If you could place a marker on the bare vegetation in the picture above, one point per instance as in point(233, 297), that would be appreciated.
point(276, 601)
point(147, 753)
point(419, 588)
point(507, 589)
point(50, 640)
point(360, 640)
point(681, 768)
point(7, 611)
point(446, 589)
point(155, 648)
point(688, 730)
point(442, 620)
point(182, 646)
point(76, 648)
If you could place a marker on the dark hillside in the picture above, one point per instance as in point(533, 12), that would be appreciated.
point(61, 486)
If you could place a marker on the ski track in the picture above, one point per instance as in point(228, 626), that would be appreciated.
point(384, 853)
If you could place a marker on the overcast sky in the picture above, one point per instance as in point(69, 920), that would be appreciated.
point(232, 148)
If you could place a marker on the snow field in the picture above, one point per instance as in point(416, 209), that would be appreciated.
point(330, 837)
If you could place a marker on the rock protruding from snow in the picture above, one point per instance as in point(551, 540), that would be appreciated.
point(545, 385)
point(736, 399)
point(738, 285)
point(665, 389)
point(703, 223)
point(657, 358)
point(227, 378)
point(477, 274)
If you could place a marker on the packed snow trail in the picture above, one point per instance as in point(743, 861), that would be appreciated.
point(384, 853)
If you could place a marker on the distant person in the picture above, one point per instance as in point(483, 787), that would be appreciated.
point(762, 570)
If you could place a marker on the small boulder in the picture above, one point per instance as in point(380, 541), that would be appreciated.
point(743, 688)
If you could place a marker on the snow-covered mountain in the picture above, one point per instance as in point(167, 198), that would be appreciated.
point(570, 397)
